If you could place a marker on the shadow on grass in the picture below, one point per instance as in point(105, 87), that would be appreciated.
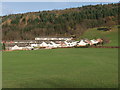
point(50, 83)
point(63, 83)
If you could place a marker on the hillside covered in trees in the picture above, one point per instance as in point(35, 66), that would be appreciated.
point(68, 22)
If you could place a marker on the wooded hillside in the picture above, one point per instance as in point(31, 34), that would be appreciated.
point(68, 22)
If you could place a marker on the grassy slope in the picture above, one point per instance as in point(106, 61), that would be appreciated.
point(110, 35)
point(74, 67)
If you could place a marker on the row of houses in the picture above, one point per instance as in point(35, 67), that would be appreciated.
point(53, 38)
point(49, 43)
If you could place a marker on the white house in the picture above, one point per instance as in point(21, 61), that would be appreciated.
point(82, 43)
point(56, 44)
point(94, 42)
point(16, 48)
point(53, 44)
point(29, 47)
point(34, 45)
point(70, 44)
point(44, 44)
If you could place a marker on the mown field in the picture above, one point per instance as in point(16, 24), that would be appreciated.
point(61, 68)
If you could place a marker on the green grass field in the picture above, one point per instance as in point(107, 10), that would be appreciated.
point(61, 68)
point(109, 35)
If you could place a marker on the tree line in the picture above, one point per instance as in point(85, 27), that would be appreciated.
point(68, 22)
